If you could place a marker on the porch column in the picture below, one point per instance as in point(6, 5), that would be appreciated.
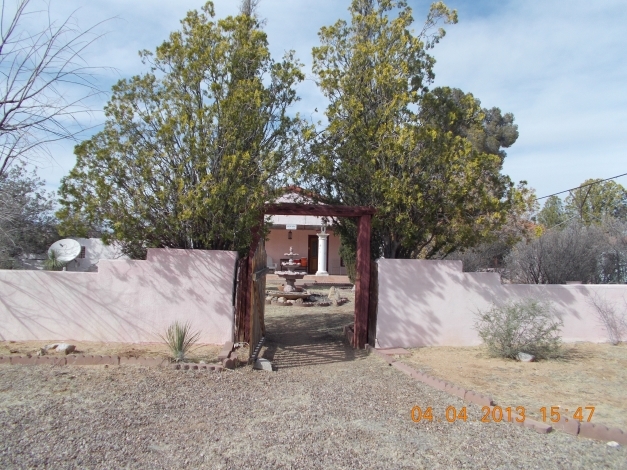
point(322, 253)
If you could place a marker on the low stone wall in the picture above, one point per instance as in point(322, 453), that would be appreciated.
point(433, 303)
point(125, 301)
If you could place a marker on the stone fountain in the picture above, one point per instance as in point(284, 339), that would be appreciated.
point(290, 291)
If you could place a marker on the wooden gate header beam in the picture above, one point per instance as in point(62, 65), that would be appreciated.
point(362, 278)
point(322, 210)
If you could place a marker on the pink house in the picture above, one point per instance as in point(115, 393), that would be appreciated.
point(304, 233)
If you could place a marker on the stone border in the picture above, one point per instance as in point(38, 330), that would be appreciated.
point(227, 357)
point(573, 427)
point(85, 360)
point(194, 366)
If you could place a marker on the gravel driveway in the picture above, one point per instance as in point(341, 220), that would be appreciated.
point(326, 406)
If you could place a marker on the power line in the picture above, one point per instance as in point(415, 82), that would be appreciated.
point(582, 186)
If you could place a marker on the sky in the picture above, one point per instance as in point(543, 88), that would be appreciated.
point(560, 66)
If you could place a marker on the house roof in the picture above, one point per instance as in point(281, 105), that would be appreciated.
point(296, 194)
point(297, 207)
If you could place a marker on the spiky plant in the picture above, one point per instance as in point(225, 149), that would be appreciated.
point(180, 338)
point(53, 263)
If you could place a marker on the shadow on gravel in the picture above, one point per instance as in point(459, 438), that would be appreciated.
point(300, 337)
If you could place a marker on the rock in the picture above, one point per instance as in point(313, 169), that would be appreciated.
point(298, 301)
point(263, 364)
point(353, 289)
point(281, 300)
point(59, 347)
point(66, 348)
point(201, 362)
point(229, 363)
point(613, 444)
point(331, 292)
point(268, 297)
point(524, 357)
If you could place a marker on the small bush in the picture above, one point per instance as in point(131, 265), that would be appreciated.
point(526, 325)
point(180, 338)
point(52, 263)
point(611, 317)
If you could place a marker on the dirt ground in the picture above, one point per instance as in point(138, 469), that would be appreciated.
point(205, 352)
point(326, 406)
point(588, 375)
point(301, 336)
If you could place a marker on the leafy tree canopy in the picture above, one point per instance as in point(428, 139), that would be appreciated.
point(429, 161)
point(595, 200)
point(518, 227)
point(192, 149)
point(553, 213)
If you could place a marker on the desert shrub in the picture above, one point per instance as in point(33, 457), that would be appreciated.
point(594, 254)
point(180, 339)
point(611, 317)
point(558, 256)
point(53, 263)
point(526, 325)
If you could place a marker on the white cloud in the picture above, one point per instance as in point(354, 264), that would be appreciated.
point(559, 66)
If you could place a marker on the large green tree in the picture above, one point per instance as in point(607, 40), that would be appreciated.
point(429, 161)
point(596, 199)
point(192, 149)
point(552, 213)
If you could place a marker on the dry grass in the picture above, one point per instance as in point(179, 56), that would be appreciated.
point(588, 375)
point(205, 352)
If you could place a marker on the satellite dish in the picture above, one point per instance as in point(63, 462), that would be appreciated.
point(66, 249)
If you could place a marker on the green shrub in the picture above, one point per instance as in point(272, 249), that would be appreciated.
point(180, 338)
point(526, 325)
point(52, 263)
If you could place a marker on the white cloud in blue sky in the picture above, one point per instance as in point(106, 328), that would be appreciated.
point(559, 66)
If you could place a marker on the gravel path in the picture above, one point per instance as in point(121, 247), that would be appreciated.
point(327, 406)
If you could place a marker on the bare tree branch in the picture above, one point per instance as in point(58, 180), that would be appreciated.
point(44, 82)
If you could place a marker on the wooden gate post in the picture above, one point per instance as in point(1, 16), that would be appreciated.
point(257, 233)
point(362, 282)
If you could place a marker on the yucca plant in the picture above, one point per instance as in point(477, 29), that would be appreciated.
point(180, 338)
point(53, 263)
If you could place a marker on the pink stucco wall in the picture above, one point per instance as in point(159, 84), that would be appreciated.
point(433, 303)
point(125, 301)
point(278, 244)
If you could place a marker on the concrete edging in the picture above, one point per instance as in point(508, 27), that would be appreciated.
point(589, 430)
point(226, 357)
point(87, 360)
